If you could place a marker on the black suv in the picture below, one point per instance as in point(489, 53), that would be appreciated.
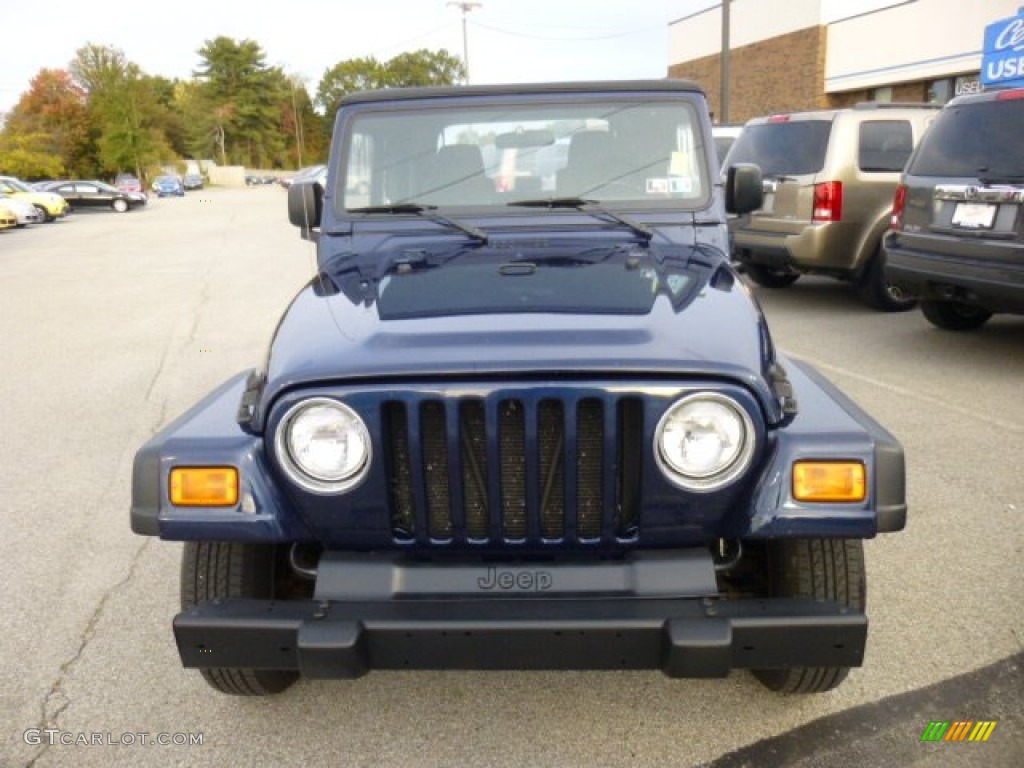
point(957, 220)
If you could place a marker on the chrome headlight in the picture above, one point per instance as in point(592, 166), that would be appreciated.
point(704, 441)
point(323, 445)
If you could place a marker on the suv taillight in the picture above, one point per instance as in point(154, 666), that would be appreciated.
point(828, 201)
point(899, 202)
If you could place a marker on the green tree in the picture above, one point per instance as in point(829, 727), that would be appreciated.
point(423, 67)
point(240, 103)
point(124, 107)
point(26, 156)
point(346, 77)
point(418, 68)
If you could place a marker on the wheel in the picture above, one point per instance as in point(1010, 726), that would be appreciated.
point(823, 569)
point(954, 316)
point(767, 277)
point(877, 292)
point(45, 214)
point(119, 205)
point(212, 569)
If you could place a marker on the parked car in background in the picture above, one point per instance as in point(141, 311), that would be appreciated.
point(97, 194)
point(725, 136)
point(166, 186)
point(8, 219)
point(192, 181)
point(829, 179)
point(128, 182)
point(314, 172)
point(51, 206)
point(23, 210)
point(957, 234)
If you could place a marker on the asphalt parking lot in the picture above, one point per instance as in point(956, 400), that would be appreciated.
point(112, 324)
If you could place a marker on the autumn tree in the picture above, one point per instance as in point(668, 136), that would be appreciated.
point(47, 132)
point(304, 128)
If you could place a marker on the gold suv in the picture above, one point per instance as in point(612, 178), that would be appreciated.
point(829, 178)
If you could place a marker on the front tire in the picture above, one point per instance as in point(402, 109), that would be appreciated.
point(954, 316)
point(821, 569)
point(767, 277)
point(215, 569)
point(45, 214)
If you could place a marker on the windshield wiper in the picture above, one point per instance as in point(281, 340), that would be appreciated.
point(593, 207)
point(427, 212)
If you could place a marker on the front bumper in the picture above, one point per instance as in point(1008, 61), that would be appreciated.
point(682, 637)
point(651, 611)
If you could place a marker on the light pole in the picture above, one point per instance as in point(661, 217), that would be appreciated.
point(296, 81)
point(466, 7)
point(723, 107)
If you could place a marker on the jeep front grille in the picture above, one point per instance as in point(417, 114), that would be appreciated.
point(514, 469)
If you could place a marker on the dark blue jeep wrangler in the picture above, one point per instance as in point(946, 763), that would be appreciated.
point(525, 416)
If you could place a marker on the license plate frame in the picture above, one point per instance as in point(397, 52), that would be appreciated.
point(974, 215)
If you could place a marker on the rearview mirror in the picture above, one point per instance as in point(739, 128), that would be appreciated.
point(523, 139)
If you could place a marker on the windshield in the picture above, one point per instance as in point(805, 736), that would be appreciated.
point(974, 140)
point(628, 151)
point(18, 185)
point(783, 148)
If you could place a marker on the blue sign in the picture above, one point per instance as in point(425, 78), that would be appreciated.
point(1002, 62)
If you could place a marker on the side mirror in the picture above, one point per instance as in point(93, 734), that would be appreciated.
point(305, 205)
point(743, 188)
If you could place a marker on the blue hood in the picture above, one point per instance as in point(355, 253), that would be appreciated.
point(465, 312)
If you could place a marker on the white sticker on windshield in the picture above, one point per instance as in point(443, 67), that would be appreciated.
point(675, 185)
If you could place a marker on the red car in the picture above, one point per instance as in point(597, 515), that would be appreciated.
point(127, 182)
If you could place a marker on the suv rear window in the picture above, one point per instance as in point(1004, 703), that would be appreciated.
point(979, 140)
point(796, 147)
point(884, 145)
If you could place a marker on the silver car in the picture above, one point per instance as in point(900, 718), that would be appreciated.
point(26, 213)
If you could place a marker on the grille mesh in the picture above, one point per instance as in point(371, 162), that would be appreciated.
point(510, 457)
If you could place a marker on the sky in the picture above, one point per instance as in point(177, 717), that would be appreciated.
point(508, 40)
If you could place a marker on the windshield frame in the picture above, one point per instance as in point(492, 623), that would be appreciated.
point(691, 120)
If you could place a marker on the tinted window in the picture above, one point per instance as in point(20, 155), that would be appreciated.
point(972, 140)
point(884, 145)
point(783, 148)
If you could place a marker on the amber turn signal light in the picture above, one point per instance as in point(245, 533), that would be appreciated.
point(829, 481)
point(204, 486)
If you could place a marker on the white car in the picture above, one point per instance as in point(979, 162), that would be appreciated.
point(26, 213)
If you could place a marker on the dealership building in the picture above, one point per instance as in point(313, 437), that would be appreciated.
point(813, 54)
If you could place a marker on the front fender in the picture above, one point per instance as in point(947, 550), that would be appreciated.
point(829, 426)
point(209, 435)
